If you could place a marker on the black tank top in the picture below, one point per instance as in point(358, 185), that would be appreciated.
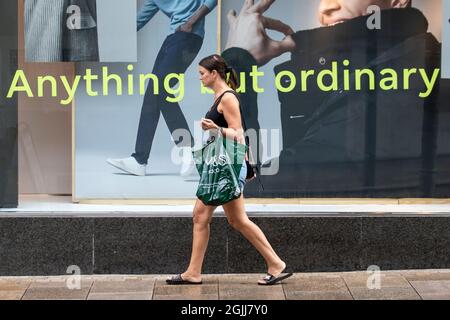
point(214, 114)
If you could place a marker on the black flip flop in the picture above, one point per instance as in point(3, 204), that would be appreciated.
point(177, 280)
point(270, 279)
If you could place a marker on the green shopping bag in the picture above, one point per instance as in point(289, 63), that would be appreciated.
point(219, 163)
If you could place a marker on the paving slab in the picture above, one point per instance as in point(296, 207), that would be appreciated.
point(55, 289)
point(206, 291)
point(433, 290)
point(364, 280)
point(251, 292)
point(40, 283)
point(316, 287)
point(426, 275)
point(121, 296)
point(315, 283)
point(14, 285)
point(55, 294)
point(318, 295)
point(11, 295)
point(245, 287)
point(245, 279)
point(125, 285)
point(384, 294)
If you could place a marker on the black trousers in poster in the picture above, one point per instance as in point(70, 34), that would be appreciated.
point(175, 56)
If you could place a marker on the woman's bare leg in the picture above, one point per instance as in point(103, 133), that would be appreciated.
point(201, 218)
point(238, 219)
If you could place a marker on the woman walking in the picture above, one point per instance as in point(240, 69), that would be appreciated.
point(225, 116)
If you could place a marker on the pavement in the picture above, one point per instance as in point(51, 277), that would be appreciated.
point(384, 285)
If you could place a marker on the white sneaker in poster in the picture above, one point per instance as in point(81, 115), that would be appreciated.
point(128, 165)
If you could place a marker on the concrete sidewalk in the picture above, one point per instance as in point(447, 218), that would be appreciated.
point(397, 285)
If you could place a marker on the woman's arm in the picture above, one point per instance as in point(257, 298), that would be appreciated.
point(146, 13)
point(229, 106)
point(204, 10)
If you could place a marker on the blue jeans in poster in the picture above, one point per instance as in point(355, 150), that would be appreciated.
point(175, 56)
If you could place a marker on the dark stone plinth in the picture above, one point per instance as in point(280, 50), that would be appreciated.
point(154, 245)
point(162, 245)
point(45, 246)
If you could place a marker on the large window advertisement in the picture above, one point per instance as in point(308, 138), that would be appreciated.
point(352, 91)
point(136, 123)
point(340, 99)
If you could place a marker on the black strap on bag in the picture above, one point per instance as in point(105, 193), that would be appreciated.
point(252, 170)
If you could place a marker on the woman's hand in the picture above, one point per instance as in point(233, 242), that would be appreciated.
point(208, 124)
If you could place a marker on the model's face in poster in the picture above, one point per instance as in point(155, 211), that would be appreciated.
point(336, 11)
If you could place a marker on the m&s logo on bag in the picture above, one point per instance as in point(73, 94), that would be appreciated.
point(215, 161)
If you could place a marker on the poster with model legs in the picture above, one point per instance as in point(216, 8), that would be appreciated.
point(341, 98)
point(148, 158)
